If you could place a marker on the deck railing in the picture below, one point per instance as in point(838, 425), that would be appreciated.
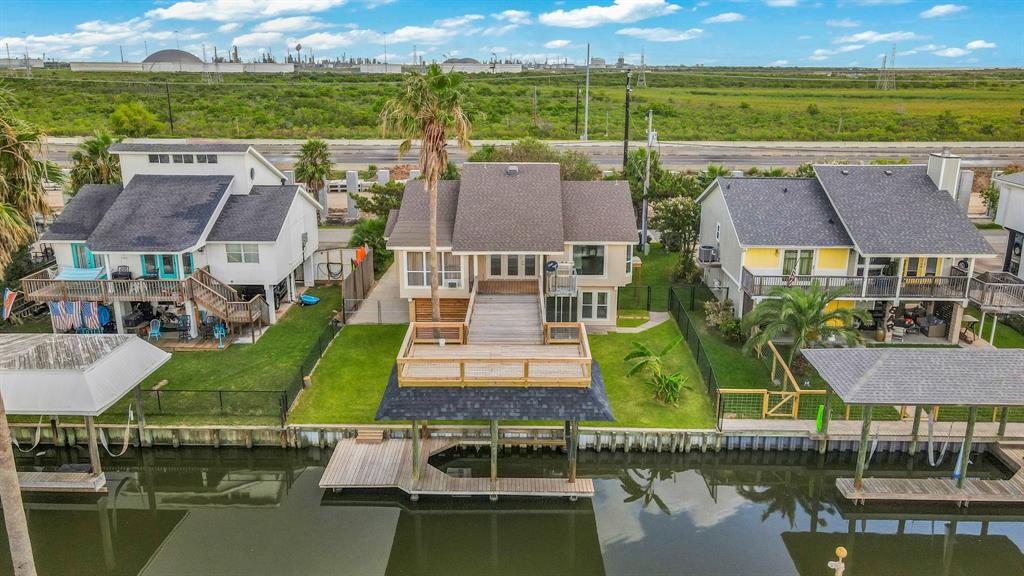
point(924, 287)
point(564, 332)
point(42, 287)
point(996, 291)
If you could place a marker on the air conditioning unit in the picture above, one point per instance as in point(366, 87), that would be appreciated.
point(453, 284)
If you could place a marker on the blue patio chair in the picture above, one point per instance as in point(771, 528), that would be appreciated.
point(154, 329)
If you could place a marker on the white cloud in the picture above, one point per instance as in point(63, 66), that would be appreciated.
point(620, 12)
point(257, 39)
point(331, 40)
point(229, 27)
point(94, 33)
point(513, 16)
point(661, 34)
point(826, 53)
point(952, 52)
point(494, 49)
point(842, 23)
point(940, 10)
point(499, 30)
point(458, 20)
point(371, 4)
point(422, 35)
point(289, 24)
point(232, 10)
point(929, 47)
point(779, 63)
point(781, 3)
point(724, 17)
point(979, 44)
point(872, 37)
point(804, 37)
point(556, 44)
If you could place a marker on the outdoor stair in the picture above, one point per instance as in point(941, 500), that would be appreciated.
point(506, 319)
point(370, 436)
point(222, 300)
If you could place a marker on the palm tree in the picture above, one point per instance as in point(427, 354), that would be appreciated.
point(667, 387)
point(808, 314)
point(430, 107)
point(708, 175)
point(92, 163)
point(313, 168)
point(21, 180)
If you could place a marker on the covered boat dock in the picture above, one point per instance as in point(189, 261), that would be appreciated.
point(927, 378)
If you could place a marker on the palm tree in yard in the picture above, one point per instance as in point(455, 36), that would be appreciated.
point(430, 107)
point(313, 168)
point(92, 163)
point(809, 315)
point(21, 196)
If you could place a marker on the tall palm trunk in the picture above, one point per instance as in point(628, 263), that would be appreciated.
point(435, 299)
point(10, 498)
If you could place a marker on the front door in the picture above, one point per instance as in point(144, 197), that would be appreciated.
point(83, 257)
point(513, 265)
point(163, 266)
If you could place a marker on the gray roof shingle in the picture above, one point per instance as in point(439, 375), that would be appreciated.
point(782, 212)
point(169, 147)
point(496, 402)
point(501, 211)
point(83, 213)
point(897, 209)
point(1015, 178)
point(599, 211)
point(254, 217)
point(922, 376)
point(389, 225)
point(412, 225)
point(159, 213)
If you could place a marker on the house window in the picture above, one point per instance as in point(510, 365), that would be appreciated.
point(629, 259)
point(912, 264)
point(190, 265)
point(530, 265)
point(798, 261)
point(931, 267)
point(588, 260)
point(595, 306)
point(417, 269)
point(451, 270)
point(160, 265)
point(154, 158)
point(83, 257)
point(495, 265)
point(178, 158)
point(512, 265)
point(188, 158)
point(243, 253)
point(149, 265)
point(206, 158)
point(560, 309)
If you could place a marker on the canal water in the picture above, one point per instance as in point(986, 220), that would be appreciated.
point(254, 512)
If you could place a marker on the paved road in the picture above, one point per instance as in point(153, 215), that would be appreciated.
point(676, 155)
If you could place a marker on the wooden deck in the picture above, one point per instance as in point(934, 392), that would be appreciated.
point(62, 482)
point(389, 465)
point(945, 489)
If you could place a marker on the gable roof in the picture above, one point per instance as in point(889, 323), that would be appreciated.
point(782, 212)
point(1015, 178)
point(165, 147)
point(412, 224)
point(159, 213)
point(83, 213)
point(897, 209)
point(254, 217)
point(506, 207)
point(599, 211)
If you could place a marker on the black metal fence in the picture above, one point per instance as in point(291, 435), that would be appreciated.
point(684, 299)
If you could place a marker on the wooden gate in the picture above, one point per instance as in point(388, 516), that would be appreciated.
point(781, 404)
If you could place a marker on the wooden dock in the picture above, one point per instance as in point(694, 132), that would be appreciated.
point(945, 489)
point(389, 465)
point(62, 482)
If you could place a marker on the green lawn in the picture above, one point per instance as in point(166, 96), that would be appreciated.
point(987, 226)
point(733, 368)
point(348, 383)
point(1006, 337)
point(657, 267)
point(632, 400)
point(40, 325)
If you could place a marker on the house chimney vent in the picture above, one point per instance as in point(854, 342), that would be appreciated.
point(844, 172)
point(512, 170)
point(888, 172)
point(785, 189)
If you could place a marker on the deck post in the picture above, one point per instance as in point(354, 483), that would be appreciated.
point(862, 449)
point(141, 414)
point(914, 431)
point(574, 442)
point(415, 452)
point(992, 333)
point(494, 451)
point(94, 450)
point(972, 417)
point(826, 418)
point(1003, 418)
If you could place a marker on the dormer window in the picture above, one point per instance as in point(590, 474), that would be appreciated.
point(206, 158)
point(159, 159)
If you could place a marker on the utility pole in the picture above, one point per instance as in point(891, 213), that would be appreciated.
point(641, 81)
point(170, 116)
point(576, 129)
point(651, 136)
point(586, 101)
point(625, 133)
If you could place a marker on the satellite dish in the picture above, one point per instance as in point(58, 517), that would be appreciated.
point(298, 47)
point(551, 266)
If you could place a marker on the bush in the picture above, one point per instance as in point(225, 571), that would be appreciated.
point(132, 119)
point(732, 331)
point(686, 271)
point(718, 312)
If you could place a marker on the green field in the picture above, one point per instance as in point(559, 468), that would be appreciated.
point(704, 104)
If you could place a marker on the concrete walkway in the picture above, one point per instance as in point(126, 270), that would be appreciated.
point(383, 305)
point(654, 319)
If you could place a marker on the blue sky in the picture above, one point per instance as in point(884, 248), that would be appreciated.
point(715, 32)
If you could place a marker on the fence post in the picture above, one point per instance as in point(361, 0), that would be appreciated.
point(649, 291)
point(284, 408)
point(159, 404)
point(693, 291)
point(220, 397)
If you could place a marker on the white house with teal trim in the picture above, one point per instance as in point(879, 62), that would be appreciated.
point(182, 207)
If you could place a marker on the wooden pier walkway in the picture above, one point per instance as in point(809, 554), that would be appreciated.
point(389, 465)
point(945, 489)
point(62, 482)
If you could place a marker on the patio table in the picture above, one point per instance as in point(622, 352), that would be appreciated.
point(968, 324)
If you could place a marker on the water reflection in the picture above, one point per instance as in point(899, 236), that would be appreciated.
point(253, 512)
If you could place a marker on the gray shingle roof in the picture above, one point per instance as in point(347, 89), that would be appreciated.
point(504, 212)
point(412, 226)
point(922, 376)
point(254, 217)
point(159, 213)
point(389, 225)
point(502, 403)
point(782, 212)
point(83, 213)
point(897, 209)
point(1015, 178)
point(598, 211)
point(168, 147)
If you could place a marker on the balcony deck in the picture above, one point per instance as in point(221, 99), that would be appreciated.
point(872, 287)
point(42, 287)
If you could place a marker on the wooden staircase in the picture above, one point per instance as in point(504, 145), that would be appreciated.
point(224, 301)
point(506, 319)
point(370, 436)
